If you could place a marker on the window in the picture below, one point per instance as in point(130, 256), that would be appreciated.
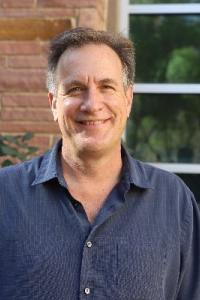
point(164, 127)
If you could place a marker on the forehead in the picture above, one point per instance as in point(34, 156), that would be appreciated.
point(97, 60)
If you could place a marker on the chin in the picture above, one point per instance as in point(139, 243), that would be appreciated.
point(90, 147)
point(96, 146)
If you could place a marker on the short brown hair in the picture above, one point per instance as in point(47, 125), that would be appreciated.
point(78, 37)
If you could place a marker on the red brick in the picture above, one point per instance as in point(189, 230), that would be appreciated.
point(2, 62)
point(42, 142)
point(15, 3)
point(44, 48)
point(0, 110)
point(25, 100)
point(27, 61)
point(57, 12)
point(18, 13)
point(36, 115)
point(22, 80)
point(89, 17)
point(32, 28)
point(40, 13)
point(66, 3)
point(25, 47)
point(102, 7)
point(35, 127)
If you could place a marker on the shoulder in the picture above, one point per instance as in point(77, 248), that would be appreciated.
point(156, 177)
point(42, 167)
point(22, 172)
point(171, 196)
point(166, 187)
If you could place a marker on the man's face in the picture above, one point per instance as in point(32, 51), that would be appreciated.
point(92, 104)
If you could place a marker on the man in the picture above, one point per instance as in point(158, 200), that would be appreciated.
point(86, 221)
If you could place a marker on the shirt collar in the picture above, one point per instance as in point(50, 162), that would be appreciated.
point(133, 170)
point(49, 166)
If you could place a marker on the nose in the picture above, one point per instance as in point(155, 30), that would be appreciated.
point(92, 101)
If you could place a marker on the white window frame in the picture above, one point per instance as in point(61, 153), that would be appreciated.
point(127, 9)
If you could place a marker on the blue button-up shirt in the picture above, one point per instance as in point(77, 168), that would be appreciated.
point(143, 245)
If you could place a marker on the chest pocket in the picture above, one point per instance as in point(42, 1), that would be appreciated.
point(140, 270)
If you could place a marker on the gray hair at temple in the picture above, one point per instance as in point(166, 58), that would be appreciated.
point(79, 37)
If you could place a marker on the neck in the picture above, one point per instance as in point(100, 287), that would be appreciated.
point(90, 178)
point(92, 166)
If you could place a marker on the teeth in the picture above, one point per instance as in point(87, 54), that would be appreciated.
point(93, 122)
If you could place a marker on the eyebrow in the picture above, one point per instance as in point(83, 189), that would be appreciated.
point(82, 83)
point(108, 81)
point(73, 82)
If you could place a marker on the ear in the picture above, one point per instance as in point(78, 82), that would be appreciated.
point(129, 99)
point(53, 105)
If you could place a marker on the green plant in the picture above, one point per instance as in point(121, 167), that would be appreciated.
point(15, 148)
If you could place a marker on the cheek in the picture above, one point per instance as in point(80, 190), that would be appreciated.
point(124, 109)
point(66, 110)
point(71, 106)
point(127, 106)
point(63, 115)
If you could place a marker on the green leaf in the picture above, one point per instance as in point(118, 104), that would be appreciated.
point(10, 138)
point(9, 151)
point(6, 163)
point(32, 149)
point(16, 146)
point(27, 136)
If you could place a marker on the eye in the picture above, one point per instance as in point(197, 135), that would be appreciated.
point(108, 87)
point(75, 90)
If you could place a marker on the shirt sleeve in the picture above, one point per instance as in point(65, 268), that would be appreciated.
point(189, 283)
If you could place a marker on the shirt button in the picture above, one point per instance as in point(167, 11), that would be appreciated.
point(87, 291)
point(89, 244)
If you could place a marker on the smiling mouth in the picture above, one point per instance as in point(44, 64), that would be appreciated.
point(93, 122)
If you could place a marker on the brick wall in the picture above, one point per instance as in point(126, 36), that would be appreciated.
point(25, 29)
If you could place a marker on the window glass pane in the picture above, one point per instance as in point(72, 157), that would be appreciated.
point(162, 1)
point(165, 128)
point(193, 181)
point(167, 48)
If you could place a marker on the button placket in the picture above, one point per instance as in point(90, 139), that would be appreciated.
point(86, 285)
